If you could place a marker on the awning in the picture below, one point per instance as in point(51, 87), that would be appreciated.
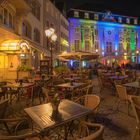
point(20, 46)
point(14, 46)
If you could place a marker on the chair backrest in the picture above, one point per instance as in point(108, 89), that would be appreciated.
point(135, 101)
point(122, 93)
point(45, 93)
point(92, 101)
point(85, 134)
point(90, 89)
point(3, 108)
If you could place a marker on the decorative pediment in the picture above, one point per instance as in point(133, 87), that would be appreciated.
point(108, 17)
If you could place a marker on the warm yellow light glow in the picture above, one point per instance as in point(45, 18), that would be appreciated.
point(64, 42)
point(137, 52)
point(64, 52)
point(96, 50)
point(41, 56)
point(24, 45)
point(14, 45)
point(125, 53)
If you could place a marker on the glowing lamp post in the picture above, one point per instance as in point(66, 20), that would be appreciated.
point(52, 37)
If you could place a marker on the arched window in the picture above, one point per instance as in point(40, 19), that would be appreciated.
point(26, 29)
point(36, 35)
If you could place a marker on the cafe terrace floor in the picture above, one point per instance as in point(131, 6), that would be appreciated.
point(118, 124)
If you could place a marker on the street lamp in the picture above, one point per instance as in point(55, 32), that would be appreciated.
point(52, 37)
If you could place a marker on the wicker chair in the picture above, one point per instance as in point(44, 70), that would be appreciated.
point(11, 125)
point(86, 133)
point(90, 101)
point(135, 102)
point(123, 96)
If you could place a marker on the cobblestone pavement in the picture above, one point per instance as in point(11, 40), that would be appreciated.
point(118, 124)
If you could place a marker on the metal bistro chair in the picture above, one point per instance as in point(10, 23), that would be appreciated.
point(135, 102)
point(90, 131)
point(11, 125)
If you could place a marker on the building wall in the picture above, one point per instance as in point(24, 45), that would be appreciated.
point(109, 39)
point(64, 41)
point(51, 19)
point(54, 18)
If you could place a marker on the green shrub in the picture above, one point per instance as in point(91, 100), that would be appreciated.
point(24, 68)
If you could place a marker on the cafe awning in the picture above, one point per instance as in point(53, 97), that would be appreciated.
point(15, 46)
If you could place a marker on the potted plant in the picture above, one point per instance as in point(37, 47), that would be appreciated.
point(55, 102)
point(23, 71)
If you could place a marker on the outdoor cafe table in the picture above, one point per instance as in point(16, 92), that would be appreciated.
point(46, 118)
point(21, 88)
point(73, 78)
point(135, 85)
point(132, 84)
point(70, 86)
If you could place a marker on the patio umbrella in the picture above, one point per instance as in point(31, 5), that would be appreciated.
point(79, 56)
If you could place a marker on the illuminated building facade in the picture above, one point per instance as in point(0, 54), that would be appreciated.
point(114, 37)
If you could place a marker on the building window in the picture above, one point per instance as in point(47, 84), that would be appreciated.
point(47, 23)
point(128, 20)
point(35, 6)
point(76, 14)
point(87, 45)
point(26, 29)
point(36, 35)
point(96, 16)
point(120, 47)
point(7, 18)
point(86, 15)
point(119, 19)
point(108, 47)
point(135, 21)
point(77, 45)
point(96, 32)
point(86, 30)
point(96, 45)
point(77, 30)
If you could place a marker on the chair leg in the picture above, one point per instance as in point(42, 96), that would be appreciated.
point(136, 135)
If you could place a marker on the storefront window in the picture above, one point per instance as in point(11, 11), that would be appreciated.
point(77, 45)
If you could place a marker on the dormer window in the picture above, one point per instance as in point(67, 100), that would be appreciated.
point(127, 20)
point(96, 16)
point(76, 14)
point(120, 20)
point(86, 15)
point(135, 21)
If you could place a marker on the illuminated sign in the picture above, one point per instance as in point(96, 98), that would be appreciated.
point(14, 45)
